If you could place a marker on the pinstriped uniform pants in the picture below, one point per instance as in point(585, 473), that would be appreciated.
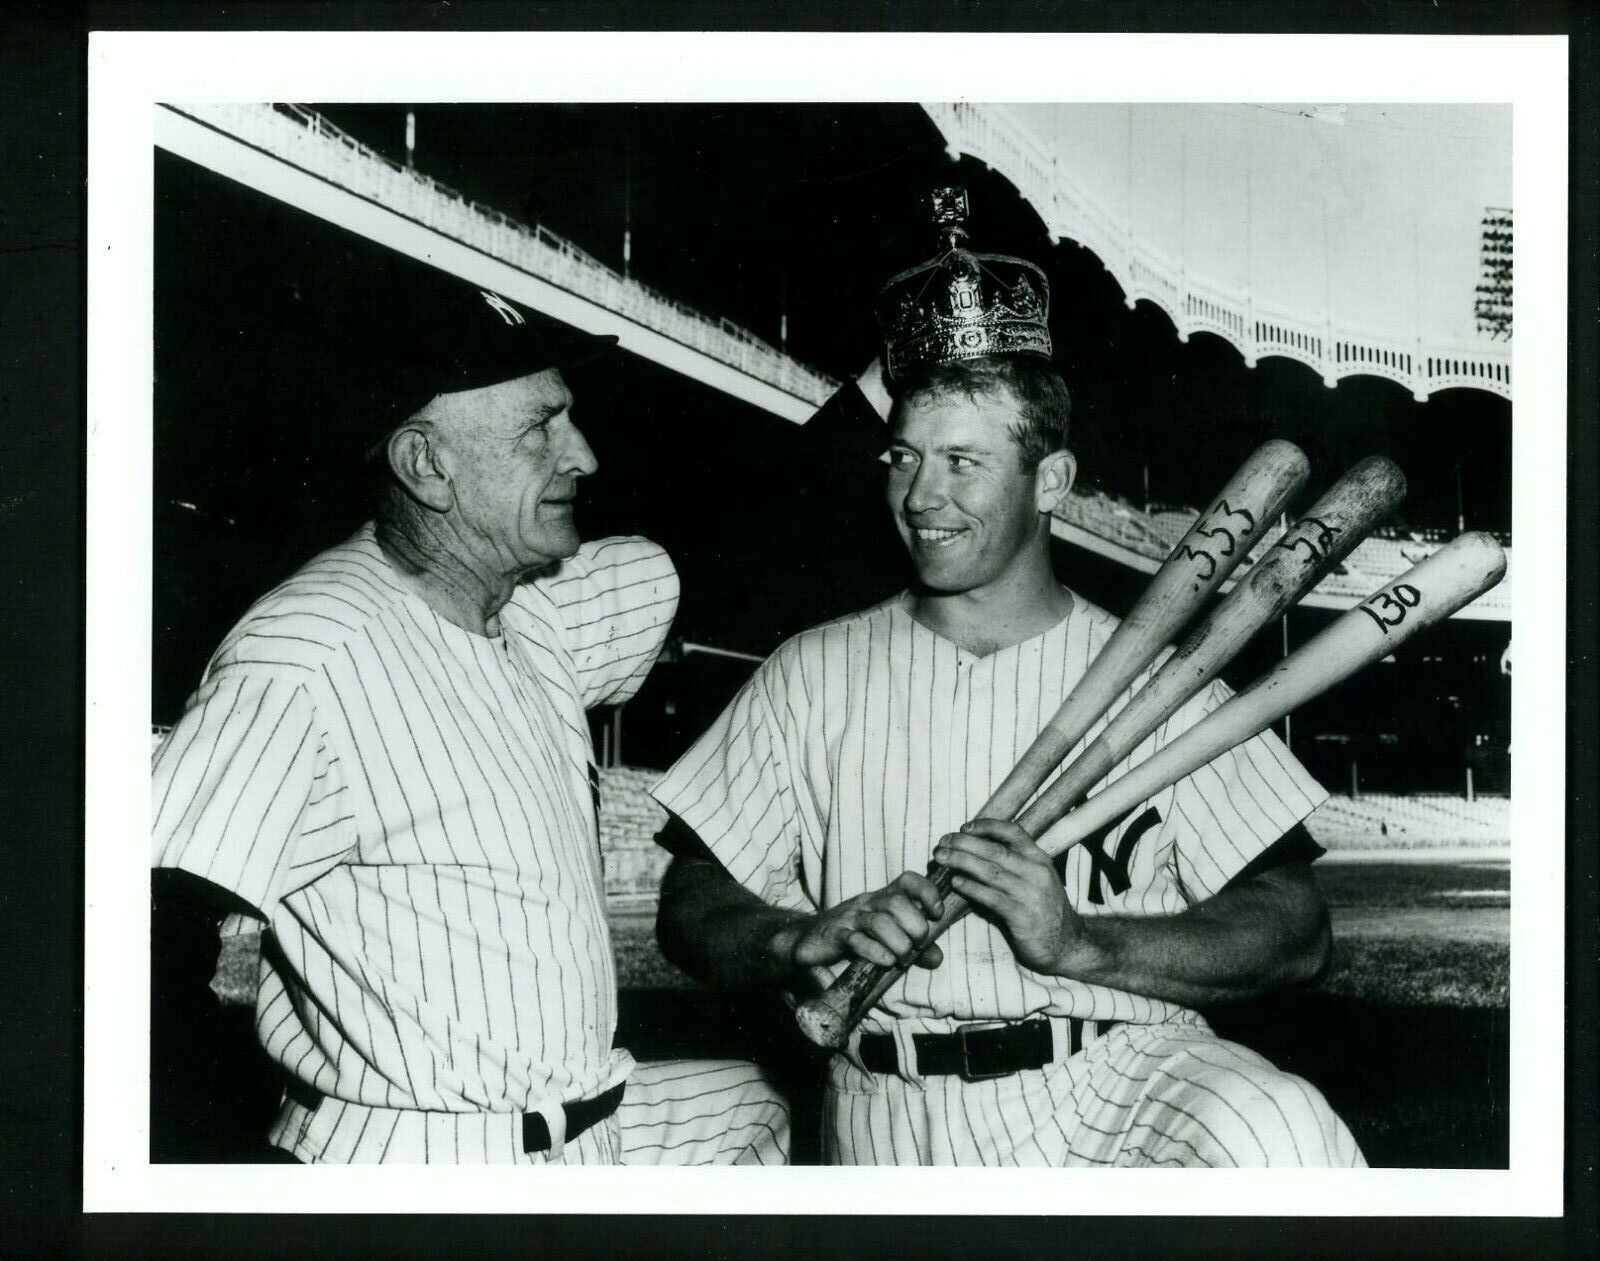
point(674, 1112)
point(1169, 1094)
point(702, 1112)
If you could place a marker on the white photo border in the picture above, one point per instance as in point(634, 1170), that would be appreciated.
point(131, 71)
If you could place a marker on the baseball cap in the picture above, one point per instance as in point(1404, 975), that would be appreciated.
point(420, 333)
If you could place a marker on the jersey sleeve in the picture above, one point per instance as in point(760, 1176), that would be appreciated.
point(245, 792)
point(734, 790)
point(1229, 813)
point(616, 599)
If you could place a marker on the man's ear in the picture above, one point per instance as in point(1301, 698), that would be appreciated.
point(413, 453)
point(1053, 479)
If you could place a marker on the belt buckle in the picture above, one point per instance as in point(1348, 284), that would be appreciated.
point(968, 1072)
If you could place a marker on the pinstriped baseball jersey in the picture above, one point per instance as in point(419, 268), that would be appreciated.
point(860, 742)
point(408, 805)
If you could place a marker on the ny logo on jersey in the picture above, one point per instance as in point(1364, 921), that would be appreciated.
point(1115, 868)
point(502, 308)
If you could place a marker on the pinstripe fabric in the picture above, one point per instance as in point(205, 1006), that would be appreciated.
point(702, 1112)
point(674, 1112)
point(408, 807)
point(860, 742)
point(1167, 1094)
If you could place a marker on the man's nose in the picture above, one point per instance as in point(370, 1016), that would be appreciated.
point(926, 490)
point(578, 459)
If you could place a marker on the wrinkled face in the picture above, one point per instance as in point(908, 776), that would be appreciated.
point(514, 458)
point(966, 509)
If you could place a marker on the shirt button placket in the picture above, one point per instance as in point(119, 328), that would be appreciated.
point(955, 772)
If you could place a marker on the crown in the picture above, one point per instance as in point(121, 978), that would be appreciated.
point(961, 305)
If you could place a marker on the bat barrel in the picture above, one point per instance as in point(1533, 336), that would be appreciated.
point(1214, 546)
point(1380, 624)
point(1340, 519)
point(1387, 619)
point(1345, 514)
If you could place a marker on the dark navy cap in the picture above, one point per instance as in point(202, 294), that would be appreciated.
point(418, 333)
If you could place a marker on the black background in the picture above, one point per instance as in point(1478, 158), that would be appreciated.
point(41, 463)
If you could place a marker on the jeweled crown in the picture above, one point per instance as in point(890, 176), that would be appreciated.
point(959, 304)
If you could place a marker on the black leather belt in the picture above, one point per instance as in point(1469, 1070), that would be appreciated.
point(980, 1051)
point(581, 1115)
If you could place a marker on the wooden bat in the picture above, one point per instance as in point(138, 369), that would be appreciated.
point(1343, 516)
point(1213, 548)
point(1219, 540)
point(1425, 595)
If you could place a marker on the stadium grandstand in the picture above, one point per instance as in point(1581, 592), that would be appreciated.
point(304, 140)
point(1415, 821)
point(1044, 151)
point(1421, 762)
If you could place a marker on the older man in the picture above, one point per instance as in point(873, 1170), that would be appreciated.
point(387, 762)
point(1058, 1025)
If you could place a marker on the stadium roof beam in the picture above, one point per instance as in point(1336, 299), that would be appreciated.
point(299, 158)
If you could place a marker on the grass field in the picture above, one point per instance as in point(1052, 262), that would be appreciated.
point(1430, 934)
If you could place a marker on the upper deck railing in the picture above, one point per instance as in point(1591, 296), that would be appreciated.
point(1194, 304)
point(305, 139)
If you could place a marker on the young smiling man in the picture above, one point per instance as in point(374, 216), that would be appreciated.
point(976, 465)
point(1056, 1026)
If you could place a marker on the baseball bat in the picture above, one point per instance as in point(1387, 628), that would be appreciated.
point(1344, 515)
point(1213, 547)
point(1425, 595)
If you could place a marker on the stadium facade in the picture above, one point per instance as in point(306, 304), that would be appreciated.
point(1175, 377)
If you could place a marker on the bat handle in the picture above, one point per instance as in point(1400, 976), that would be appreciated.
point(827, 1019)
